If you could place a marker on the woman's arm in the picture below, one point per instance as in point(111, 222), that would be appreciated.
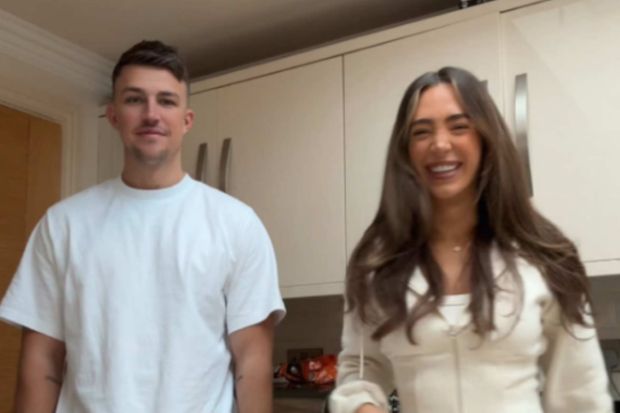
point(361, 389)
point(575, 377)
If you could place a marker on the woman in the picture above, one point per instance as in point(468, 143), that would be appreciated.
point(460, 294)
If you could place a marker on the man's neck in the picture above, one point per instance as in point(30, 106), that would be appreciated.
point(156, 177)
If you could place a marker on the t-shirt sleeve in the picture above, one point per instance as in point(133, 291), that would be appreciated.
point(252, 292)
point(34, 297)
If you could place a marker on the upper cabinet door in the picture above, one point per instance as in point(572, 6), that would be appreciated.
point(569, 54)
point(200, 146)
point(375, 81)
point(287, 162)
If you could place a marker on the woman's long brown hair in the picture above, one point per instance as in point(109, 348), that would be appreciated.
point(396, 241)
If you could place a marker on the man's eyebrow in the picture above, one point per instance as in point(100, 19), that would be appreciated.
point(168, 94)
point(133, 89)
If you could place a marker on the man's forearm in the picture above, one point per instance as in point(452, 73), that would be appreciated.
point(253, 385)
point(38, 392)
point(251, 349)
point(41, 373)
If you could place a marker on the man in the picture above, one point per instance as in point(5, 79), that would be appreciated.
point(145, 293)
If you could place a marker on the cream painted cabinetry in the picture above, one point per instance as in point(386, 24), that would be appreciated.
point(375, 81)
point(568, 52)
point(204, 131)
point(287, 162)
point(565, 50)
point(310, 131)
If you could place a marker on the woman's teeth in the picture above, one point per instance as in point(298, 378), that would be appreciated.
point(443, 168)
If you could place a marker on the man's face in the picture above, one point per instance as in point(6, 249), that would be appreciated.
point(150, 112)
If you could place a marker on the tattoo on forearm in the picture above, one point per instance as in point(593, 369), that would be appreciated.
point(54, 380)
point(239, 378)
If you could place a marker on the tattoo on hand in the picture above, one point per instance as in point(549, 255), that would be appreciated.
point(54, 380)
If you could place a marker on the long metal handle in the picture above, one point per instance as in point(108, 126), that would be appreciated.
point(201, 164)
point(224, 162)
point(521, 125)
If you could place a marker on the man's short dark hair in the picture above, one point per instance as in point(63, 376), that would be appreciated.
point(155, 54)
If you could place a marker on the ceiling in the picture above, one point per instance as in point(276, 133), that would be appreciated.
point(216, 35)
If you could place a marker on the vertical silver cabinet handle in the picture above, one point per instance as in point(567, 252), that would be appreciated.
point(521, 125)
point(224, 163)
point(201, 164)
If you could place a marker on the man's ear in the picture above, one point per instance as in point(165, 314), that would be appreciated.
point(188, 119)
point(110, 113)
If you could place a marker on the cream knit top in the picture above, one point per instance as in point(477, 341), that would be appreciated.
point(530, 364)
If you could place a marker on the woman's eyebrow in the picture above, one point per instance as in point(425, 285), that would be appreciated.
point(423, 121)
point(457, 116)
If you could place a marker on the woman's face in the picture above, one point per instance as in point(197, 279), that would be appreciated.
point(444, 146)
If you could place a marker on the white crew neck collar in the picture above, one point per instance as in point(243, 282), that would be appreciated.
point(162, 193)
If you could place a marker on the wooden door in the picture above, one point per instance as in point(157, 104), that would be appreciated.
point(30, 162)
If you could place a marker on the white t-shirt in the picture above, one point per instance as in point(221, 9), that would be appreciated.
point(144, 287)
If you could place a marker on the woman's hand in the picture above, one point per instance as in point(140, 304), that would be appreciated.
point(370, 408)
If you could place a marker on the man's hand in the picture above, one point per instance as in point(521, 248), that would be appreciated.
point(40, 375)
point(252, 349)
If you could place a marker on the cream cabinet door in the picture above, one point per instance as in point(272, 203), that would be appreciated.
point(109, 151)
point(569, 54)
point(287, 163)
point(200, 146)
point(375, 81)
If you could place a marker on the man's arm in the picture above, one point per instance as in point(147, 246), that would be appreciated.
point(252, 349)
point(40, 375)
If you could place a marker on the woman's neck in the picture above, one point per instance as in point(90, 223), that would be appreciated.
point(454, 223)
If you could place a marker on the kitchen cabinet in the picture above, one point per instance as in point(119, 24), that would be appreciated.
point(204, 131)
point(569, 55)
point(375, 81)
point(109, 150)
point(287, 163)
point(309, 133)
